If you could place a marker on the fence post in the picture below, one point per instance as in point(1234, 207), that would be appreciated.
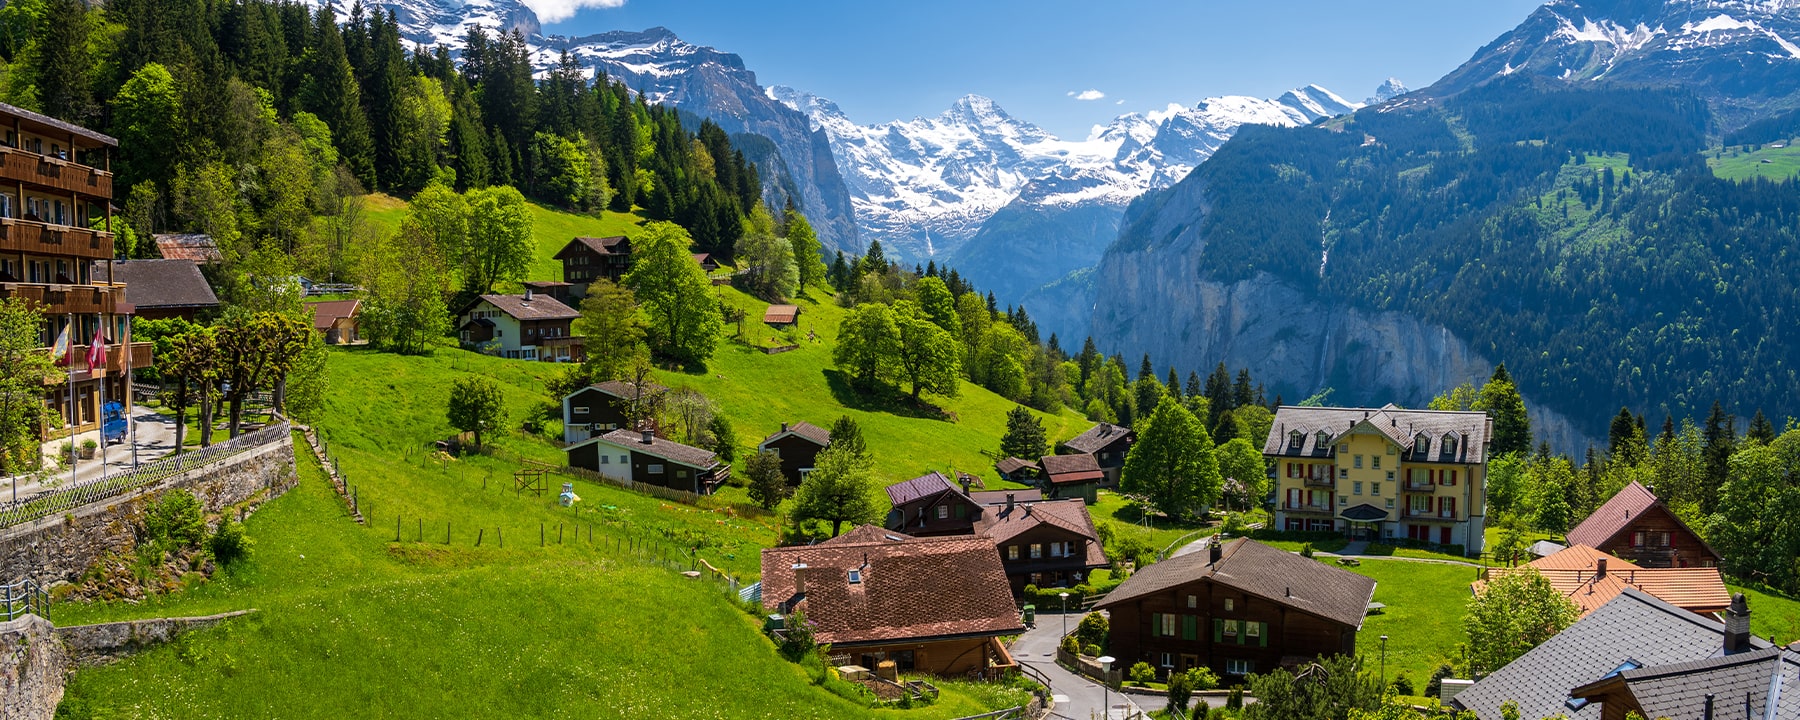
point(421, 529)
point(446, 532)
point(540, 533)
point(396, 527)
point(479, 535)
point(498, 535)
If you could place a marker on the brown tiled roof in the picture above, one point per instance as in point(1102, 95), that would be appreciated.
point(818, 435)
point(327, 312)
point(1274, 575)
point(781, 314)
point(1097, 437)
point(194, 247)
point(1573, 572)
point(55, 124)
point(1071, 468)
point(868, 534)
point(545, 284)
point(602, 245)
point(539, 307)
point(1617, 512)
point(1000, 525)
point(702, 258)
point(923, 486)
point(160, 283)
point(1399, 425)
point(998, 497)
point(628, 391)
point(1012, 465)
point(917, 589)
point(663, 448)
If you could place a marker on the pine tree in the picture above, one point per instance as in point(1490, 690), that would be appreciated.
point(65, 64)
point(1145, 371)
point(1242, 392)
point(1721, 442)
point(1174, 384)
point(1024, 435)
point(1501, 399)
point(1761, 430)
point(1620, 433)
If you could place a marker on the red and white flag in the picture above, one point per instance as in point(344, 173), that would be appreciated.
point(96, 357)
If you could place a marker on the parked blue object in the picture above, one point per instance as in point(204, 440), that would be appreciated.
point(113, 425)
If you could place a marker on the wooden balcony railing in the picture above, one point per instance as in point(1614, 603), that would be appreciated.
point(36, 238)
point(142, 356)
point(67, 299)
point(1306, 507)
point(44, 171)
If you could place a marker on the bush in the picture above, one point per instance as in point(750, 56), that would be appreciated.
point(1235, 701)
point(1436, 684)
point(229, 543)
point(1306, 550)
point(1402, 684)
point(1201, 678)
point(174, 521)
point(1092, 630)
point(797, 640)
point(1179, 692)
point(1091, 650)
point(1142, 673)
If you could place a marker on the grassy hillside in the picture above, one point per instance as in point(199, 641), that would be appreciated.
point(1743, 163)
point(351, 623)
point(553, 229)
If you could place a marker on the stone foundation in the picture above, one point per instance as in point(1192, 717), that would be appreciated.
point(33, 665)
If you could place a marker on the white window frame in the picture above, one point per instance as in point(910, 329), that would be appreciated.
point(1229, 604)
point(1169, 624)
point(1193, 601)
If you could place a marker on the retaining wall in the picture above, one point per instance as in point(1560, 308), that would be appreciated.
point(33, 665)
point(62, 547)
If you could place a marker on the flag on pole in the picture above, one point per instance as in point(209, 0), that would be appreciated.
point(96, 356)
point(59, 353)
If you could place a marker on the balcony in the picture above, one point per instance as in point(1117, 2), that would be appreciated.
point(1442, 515)
point(36, 238)
point(141, 357)
point(1306, 507)
point(67, 299)
point(1424, 486)
point(33, 169)
point(1317, 481)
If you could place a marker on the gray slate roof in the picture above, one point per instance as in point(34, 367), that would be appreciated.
point(1097, 437)
point(659, 447)
point(1634, 626)
point(160, 283)
point(1401, 426)
point(816, 435)
point(1680, 690)
point(1274, 575)
point(539, 307)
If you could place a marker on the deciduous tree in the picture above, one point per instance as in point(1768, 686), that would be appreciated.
point(501, 245)
point(867, 343)
point(256, 352)
point(476, 406)
point(675, 294)
point(612, 329)
point(803, 242)
point(1512, 614)
point(840, 489)
point(770, 272)
point(1172, 463)
point(23, 369)
point(767, 485)
point(927, 355)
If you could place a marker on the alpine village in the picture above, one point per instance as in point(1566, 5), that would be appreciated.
point(1472, 402)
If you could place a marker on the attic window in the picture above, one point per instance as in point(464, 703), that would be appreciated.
point(1575, 703)
point(1296, 439)
point(1324, 439)
point(1422, 443)
point(1449, 447)
point(855, 577)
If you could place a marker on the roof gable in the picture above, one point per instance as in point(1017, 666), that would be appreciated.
point(807, 431)
point(1401, 426)
point(1274, 575)
point(669, 450)
point(1575, 572)
point(613, 245)
point(1613, 516)
point(923, 487)
point(327, 312)
point(1099, 437)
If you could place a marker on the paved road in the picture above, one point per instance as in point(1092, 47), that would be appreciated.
point(1085, 698)
point(1195, 546)
point(155, 438)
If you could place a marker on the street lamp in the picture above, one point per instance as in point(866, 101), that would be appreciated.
point(1065, 613)
point(1384, 664)
point(1106, 662)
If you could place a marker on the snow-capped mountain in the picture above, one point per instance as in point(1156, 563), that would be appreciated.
point(1011, 206)
point(1742, 56)
point(447, 22)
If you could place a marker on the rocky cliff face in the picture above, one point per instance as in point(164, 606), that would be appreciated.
point(1149, 298)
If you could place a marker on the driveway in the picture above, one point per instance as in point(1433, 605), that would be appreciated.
point(1077, 697)
point(155, 438)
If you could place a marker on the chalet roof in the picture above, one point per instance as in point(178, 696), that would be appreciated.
point(193, 247)
point(160, 283)
point(1098, 437)
point(914, 589)
point(781, 314)
point(1574, 573)
point(327, 312)
point(1613, 516)
point(1401, 426)
point(59, 125)
point(867, 534)
point(1751, 681)
point(539, 307)
point(625, 390)
point(1274, 575)
point(666, 449)
point(1000, 524)
point(1012, 465)
point(546, 284)
point(615, 245)
point(921, 487)
point(998, 497)
point(702, 258)
point(817, 435)
point(1061, 469)
point(1634, 626)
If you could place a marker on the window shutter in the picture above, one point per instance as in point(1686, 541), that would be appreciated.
point(1262, 638)
point(1218, 630)
point(1155, 624)
point(1189, 627)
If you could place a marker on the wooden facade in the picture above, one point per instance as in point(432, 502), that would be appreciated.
point(1204, 623)
point(1045, 556)
point(798, 454)
point(1658, 539)
point(944, 513)
point(950, 657)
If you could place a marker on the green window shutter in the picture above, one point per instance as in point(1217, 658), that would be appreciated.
point(1263, 637)
point(1190, 627)
point(1155, 624)
point(1218, 630)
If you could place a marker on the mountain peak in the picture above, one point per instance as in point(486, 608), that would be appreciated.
point(1388, 90)
point(977, 108)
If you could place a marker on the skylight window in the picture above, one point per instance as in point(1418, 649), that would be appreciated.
point(855, 576)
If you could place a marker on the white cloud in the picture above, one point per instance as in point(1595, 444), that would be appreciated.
point(550, 11)
point(1088, 94)
point(1119, 102)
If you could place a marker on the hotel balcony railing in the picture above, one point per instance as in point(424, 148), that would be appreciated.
point(39, 238)
point(1307, 507)
point(141, 357)
point(67, 299)
point(1421, 486)
point(1430, 514)
point(18, 165)
point(1318, 480)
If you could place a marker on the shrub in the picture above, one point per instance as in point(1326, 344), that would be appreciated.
point(1092, 630)
point(175, 521)
point(1179, 692)
point(797, 641)
point(1306, 550)
point(1403, 685)
point(1201, 678)
point(1070, 645)
point(229, 543)
point(1235, 701)
point(1091, 650)
point(1436, 684)
point(1142, 673)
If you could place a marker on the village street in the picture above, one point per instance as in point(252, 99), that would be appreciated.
point(1085, 698)
point(155, 439)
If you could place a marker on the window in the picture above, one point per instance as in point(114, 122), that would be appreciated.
point(1356, 489)
point(1231, 629)
point(1343, 500)
point(1449, 477)
point(1229, 604)
point(1390, 505)
point(943, 512)
point(1168, 660)
point(1296, 439)
point(1390, 451)
point(1012, 552)
point(855, 576)
point(1253, 630)
point(1239, 667)
point(1375, 462)
point(1323, 441)
point(1358, 464)
point(1449, 444)
point(1422, 444)
point(623, 460)
point(1037, 550)
point(655, 469)
point(962, 511)
point(1390, 476)
point(1168, 624)
point(1375, 489)
point(580, 409)
point(604, 459)
point(1194, 602)
point(1343, 473)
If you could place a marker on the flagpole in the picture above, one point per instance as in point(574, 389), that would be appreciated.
point(74, 412)
point(130, 421)
point(100, 341)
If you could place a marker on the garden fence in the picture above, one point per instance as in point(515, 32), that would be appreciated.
point(137, 479)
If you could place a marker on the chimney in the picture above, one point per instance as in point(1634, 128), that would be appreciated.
point(528, 294)
point(965, 483)
point(649, 437)
point(1708, 713)
point(1009, 502)
point(1215, 552)
point(1027, 509)
point(1650, 489)
point(799, 578)
point(1737, 625)
point(1599, 568)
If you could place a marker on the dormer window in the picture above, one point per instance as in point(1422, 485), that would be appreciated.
point(1449, 444)
point(1422, 444)
point(1296, 439)
point(1324, 440)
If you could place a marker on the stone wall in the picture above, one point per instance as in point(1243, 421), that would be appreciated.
point(33, 665)
point(62, 547)
point(89, 645)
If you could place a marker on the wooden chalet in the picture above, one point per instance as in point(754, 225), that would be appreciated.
point(641, 457)
point(706, 262)
point(524, 327)
point(1636, 526)
point(1048, 543)
point(1107, 444)
point(781, 315)
point(935, 605)
point(603, 407)
point(1239, 608)
point(337, 320)
point(931, 505)
point(1071, 476)
point(586, 259)
point(798, 445)
point(1012, 469)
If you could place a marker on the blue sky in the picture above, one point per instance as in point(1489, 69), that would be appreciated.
point(886, 60)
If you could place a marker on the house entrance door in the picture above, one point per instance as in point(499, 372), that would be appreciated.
point(1189, 662)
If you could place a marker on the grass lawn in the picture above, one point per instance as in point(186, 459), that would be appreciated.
point(1128, 519)
point(1741, 163)
point(1426, 603)
point(552, 228)
point(1772, 614)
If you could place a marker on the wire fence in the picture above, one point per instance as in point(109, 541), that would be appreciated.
point(121, 483)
